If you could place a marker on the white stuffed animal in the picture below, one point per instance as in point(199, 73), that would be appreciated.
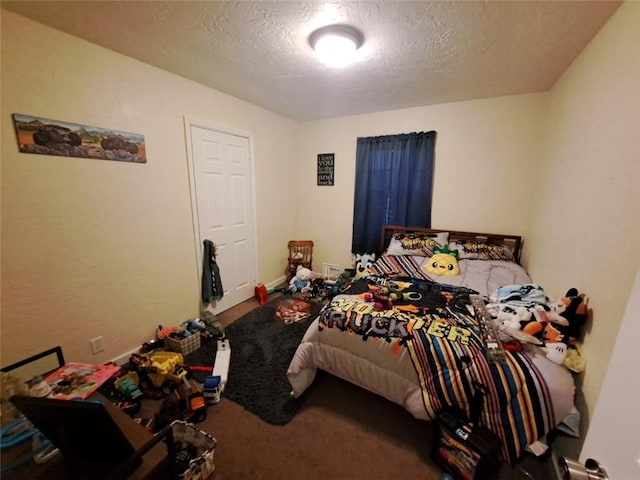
point(302, 280)
point(507, 318)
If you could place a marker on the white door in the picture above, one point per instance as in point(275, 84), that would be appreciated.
point(223, 208)
point(613, 438)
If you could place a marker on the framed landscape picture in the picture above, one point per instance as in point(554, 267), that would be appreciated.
point(54, 137)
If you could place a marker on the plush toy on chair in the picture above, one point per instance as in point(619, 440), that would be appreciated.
point(301, 282)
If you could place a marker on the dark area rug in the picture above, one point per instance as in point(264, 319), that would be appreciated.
point(261, 349)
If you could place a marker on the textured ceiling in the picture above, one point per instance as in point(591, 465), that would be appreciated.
point(415, 52)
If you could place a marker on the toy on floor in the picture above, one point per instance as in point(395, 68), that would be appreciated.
point(186, 403)
point(301, 282)
point(261, 293)
point(290, 310)
point(221, 365)
point(127, 386)
point(193, 325)
point(162, 332)
point(160, 371)
point(212, 389)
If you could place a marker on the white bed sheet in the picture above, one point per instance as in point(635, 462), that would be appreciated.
point(483, 276)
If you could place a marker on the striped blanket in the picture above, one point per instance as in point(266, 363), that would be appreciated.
point(517, 406)
point(447, 350)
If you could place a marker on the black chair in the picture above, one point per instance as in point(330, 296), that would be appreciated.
point(57, 350)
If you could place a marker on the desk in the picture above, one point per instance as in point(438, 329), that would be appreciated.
point(154, 463)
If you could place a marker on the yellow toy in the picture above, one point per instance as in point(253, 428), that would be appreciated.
point(160, 370)
point(443, 262)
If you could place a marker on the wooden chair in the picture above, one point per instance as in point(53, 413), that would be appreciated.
point(300, 253)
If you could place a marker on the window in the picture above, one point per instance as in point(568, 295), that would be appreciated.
point(394, 184)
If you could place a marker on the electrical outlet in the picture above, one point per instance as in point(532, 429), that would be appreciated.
point(97, 345)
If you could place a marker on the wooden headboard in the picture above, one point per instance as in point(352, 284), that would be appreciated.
point(513, 242)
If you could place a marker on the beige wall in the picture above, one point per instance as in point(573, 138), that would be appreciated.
point(93, 247)
point(485, 157)
point(585, 227)
point(101, 248)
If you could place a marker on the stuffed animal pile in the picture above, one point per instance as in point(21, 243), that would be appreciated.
point(557, 325)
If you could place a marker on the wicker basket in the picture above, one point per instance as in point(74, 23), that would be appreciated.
point(185, 345)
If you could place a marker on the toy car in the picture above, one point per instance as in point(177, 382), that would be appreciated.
point(127, 385)
point(159, 370)
point(191, 402)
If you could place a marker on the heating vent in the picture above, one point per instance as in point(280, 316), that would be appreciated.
point(330, 270)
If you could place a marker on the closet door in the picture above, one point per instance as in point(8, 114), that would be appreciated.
point(223, 207)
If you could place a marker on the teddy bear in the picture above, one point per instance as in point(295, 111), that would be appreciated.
point(301, 282)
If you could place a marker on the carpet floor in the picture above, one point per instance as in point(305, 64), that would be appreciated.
point(339, 431)
point(261, 350)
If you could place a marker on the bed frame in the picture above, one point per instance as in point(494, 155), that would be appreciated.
point(513, 242)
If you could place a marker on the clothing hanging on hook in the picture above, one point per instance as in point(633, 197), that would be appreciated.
point(211, 281)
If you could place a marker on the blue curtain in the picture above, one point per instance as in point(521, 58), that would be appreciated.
point(394, 184)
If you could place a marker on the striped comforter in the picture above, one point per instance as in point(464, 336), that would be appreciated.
point(517, 406)
point(446, 348)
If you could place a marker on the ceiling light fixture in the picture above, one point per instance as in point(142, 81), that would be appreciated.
point(336, 45)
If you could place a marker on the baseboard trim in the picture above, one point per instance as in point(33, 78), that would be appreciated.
point(124, 358)
point(277, 283)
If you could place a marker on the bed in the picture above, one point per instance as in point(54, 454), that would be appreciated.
point(429, 351)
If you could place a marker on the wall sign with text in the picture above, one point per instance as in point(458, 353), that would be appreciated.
point(325, 168)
